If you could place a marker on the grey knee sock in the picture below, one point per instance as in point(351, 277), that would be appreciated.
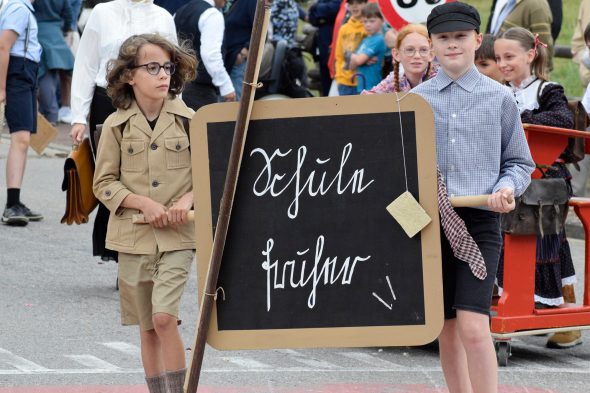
point(157, 384)
point(175, 380)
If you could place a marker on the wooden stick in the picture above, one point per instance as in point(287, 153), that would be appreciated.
point(257, 39)
point(470, 201)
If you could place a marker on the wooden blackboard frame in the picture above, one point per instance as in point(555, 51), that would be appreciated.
point(430, 236)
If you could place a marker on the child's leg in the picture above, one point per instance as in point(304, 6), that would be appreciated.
point(17, 158)
point(151, 358)
point(453, 358)
point(172, 349)
point(474, 332)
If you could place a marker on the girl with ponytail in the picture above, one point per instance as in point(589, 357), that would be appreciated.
point(523, 60)
point(412, 61)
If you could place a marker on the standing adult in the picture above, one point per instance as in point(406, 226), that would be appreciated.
point(54, 18)
point(201, 22)
point(170, 5)
point(533, 15)
point(20, 53)
point(239, 20)
point(579, 49)
point(108, 25)
point(322, 14)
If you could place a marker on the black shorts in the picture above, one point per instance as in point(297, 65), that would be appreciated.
point(21, 95)
point(462, 290)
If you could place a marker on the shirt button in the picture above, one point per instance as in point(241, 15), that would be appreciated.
point(453, 140)
point(454, 115)
point(155, 183)
point(154, 146)
point(130, 150)
point(107, 193)
point(177, 147)
point(452, 167)
point(452, 195)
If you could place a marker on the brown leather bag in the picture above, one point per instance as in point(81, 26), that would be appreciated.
point(78, 174)
point(576, 147)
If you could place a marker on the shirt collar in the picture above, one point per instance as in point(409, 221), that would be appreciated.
point(175, 107)
point(524, 84)
point(467, 81)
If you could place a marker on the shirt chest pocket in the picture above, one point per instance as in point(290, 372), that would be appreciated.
point(178, 154)
point(133, 155)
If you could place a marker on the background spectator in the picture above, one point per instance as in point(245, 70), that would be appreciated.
point(322, 14)
point(54, 18)
point(202, 23)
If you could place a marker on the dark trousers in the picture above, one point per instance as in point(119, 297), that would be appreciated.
point(100, 108)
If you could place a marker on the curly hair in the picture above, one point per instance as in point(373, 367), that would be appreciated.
point(119, 71)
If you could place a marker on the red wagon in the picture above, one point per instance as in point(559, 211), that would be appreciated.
point(515, 313)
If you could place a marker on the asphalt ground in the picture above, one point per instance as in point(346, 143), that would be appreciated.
point(60, 330)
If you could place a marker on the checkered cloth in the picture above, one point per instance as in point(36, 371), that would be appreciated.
point(463, 245)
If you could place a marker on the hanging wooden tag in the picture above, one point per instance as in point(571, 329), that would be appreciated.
point(406, 210)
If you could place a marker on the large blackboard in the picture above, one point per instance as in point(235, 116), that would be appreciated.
point(310, 244)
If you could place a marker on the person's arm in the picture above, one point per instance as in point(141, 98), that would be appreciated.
point(212, 28)
point(324, 12)
point(302, 13)
point(86, 68)
point(66, 16)
point(516, 163)
point(358, 59)
point(7, 40)
point(553, 110)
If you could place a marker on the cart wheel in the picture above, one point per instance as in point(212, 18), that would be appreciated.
point(503, 353)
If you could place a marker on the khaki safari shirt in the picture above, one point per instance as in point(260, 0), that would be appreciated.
point(132, 158)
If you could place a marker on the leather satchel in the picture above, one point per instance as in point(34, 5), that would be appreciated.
point(541, 210)
point(77, 182)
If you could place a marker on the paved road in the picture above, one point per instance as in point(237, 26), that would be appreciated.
point(59, 329)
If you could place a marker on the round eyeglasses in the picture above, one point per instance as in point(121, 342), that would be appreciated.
point(423, 52)
point(153, 68)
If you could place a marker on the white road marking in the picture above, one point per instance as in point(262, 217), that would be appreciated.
point(246, 363)
point(126, 348)
point(313, 363)
point(93, 362)
point(372, 360)
point(21, 364)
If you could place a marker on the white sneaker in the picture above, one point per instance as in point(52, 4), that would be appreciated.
point(64, 115)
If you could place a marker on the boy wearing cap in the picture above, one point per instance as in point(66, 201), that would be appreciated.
point(481, 149)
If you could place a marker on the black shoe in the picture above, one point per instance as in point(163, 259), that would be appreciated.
point(14, 215)
point(31, 215)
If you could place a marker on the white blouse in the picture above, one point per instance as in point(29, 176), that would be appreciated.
point(108, 26)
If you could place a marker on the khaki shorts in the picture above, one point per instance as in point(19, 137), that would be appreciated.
point(150, 284)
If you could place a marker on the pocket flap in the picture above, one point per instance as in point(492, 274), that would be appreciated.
point(132, 147)
point(177, 144)
point(546, 192)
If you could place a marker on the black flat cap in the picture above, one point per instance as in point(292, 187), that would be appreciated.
point(454, 16)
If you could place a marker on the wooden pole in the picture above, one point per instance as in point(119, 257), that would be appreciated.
point(257, 39)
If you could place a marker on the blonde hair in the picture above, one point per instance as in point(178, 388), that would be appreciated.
point(120, 69)
point(528, 41)
point(403, 33)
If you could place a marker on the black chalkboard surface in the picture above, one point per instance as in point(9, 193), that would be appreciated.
point(310, 244)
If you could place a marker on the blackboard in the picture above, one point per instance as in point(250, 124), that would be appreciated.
point(310, 245)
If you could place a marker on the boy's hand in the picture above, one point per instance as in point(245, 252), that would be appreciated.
point(178, 212)
point(502, 201)
point(155, 213)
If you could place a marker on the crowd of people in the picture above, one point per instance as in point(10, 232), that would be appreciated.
point(141, 68)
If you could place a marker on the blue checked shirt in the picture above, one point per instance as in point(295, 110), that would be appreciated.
point(480, 142)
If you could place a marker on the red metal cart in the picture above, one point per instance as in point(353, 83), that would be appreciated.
point(515, 313)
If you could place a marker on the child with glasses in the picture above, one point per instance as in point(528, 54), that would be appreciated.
point(143, 166)
point(368, 58)
point(412, 61)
